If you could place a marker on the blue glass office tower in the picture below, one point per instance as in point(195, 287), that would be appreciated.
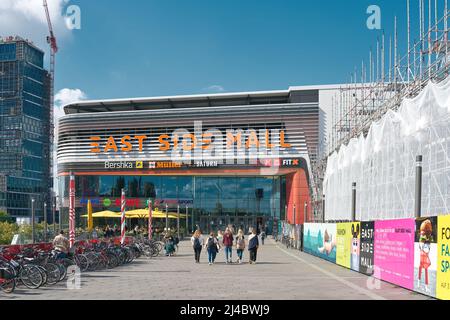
point(25, 154)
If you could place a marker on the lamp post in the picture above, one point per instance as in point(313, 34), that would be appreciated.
point(167, 218)
point(54, 216)
point(45, 221)
point(418, 190)
point(59, 201)
point(32, 221)
point(294, 216)
point(187, 221)
point(353, 201)
point(305, 212)
point(178, 221)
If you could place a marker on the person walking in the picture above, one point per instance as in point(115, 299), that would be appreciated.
point(228, 245)
point(212, 247)
point(253, 245)
point(263, 236)
point(240, 245)
point(197, 244)
point(170, 245)
point(220, 238)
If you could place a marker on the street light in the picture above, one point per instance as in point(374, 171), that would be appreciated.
point(45, 221)
point(54, 216)
point(187, 222)
point(294, 216)
point(167, 218)
point(32, 221)
point(178, 221)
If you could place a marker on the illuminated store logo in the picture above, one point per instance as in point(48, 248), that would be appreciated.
point(206, 164)
point(187, 142)
point(139, 164)
point(279, 162)
point(164, 165)
point(119, 165)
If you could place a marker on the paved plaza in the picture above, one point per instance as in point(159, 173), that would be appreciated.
point(279, 274)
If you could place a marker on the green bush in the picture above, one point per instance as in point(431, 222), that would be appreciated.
point(7, 231)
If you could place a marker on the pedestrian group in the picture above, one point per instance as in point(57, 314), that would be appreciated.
point(213, 244)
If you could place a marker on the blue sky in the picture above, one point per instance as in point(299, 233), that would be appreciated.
point(141, 48)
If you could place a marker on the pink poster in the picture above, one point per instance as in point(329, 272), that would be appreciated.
point(394, 251)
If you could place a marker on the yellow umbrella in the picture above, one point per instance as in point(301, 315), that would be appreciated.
point(104, 214)
point(143, 213)
point(90, 218)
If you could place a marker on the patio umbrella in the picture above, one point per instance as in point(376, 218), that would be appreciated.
point(104, 214)
point(143, 213)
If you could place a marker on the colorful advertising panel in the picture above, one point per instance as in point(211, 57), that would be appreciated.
point(425, 256)
point(367, 247)
point(443, 262)
point(343, 244)
point(320, 240)
point(394, 251)
point(355, 242)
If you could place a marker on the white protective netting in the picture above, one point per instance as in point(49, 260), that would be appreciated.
point(383, 164)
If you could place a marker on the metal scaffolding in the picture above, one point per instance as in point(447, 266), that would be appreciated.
point(385, 79)
point(382, 86)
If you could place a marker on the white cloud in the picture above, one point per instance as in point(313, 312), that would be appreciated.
point(214, 88)
point(26, 18)
point(62, 98)
point(66, 96)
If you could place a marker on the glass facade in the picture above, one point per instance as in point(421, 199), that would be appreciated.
point(24, 129)
point(217, 200)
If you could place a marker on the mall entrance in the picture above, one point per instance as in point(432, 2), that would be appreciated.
point(215, 223)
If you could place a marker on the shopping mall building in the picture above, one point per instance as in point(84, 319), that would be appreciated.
point(236, 158)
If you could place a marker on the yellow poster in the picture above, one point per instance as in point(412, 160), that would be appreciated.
point(343, 244)
point(443, 266)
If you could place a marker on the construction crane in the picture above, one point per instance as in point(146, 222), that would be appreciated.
point(51, 40)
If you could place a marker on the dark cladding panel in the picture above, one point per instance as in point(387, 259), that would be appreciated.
point(304, 96)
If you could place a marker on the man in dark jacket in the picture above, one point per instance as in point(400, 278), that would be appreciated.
point(228, 244)
point(253, 245)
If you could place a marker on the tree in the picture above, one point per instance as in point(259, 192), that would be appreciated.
point(4, 214)
point(7, 231)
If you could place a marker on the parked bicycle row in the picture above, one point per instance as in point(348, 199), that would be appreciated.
point(34, 267)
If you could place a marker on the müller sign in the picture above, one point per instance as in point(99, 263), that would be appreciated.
point(188, 141)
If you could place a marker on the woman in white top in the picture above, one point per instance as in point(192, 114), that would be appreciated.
point(197, 243)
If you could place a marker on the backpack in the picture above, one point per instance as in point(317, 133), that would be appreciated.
point(241, 243)
point(211, 243)
point(197, 243)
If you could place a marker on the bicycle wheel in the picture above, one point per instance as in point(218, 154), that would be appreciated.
point(8, 284)
point(112, 261)
point(53, 273)
point(82, 262)
point(44, 274)
point(31, 277)
point(62, 270)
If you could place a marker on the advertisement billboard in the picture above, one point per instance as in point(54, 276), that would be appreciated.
point(394, 251)
point(366, 261)
point(425, 256)
point(443, 256)
point(320, 240)
point(343, 244)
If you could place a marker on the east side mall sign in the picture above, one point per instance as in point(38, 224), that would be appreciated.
point(187, 142)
